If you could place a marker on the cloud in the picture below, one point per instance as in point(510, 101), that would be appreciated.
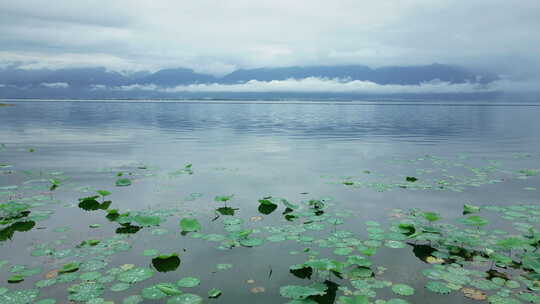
point(219, 36)
point(55, 85)
point(324, 85)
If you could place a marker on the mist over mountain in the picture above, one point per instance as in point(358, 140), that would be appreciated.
point(281, 82)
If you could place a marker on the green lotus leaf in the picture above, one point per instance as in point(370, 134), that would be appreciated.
point(147, 220)
point(103, 192)
point(353, 300)
point(190, 225)
point(186, 298)
point(165, 263)
point(214, 293)
point(467, 209)
point(16, 278)
point(135, 275)
point(22, 296)
point(90, 276)
point(188, 282)
point(70, 267)
point(152, 293)
point(251, 242)
point(438, 287)
point(169, 289)
point(150, 252)
point(403, 290)
point(223, 198)
point(343, 251)
point(475, 220)
point(123, 182)
point(120, 287)
point(226, 211)
point(85, 291)
point(513, 243)
point(302, 292)
point(133, 299)
point(431, 216)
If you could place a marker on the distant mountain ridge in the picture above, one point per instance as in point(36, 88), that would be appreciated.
point(86, 77)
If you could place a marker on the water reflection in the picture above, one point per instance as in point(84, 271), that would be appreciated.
point(97, 122)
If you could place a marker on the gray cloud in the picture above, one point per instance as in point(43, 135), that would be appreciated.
point(217, 37)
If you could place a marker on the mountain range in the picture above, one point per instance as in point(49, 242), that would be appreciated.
point(81, 82)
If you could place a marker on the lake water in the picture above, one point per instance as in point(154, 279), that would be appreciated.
point(355, 157)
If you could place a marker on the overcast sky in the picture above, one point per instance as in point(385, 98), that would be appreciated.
point(216, 36)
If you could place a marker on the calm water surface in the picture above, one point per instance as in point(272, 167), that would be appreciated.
point(298, 151)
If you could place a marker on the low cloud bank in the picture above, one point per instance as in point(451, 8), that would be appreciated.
point(55, 85)
point(324, 85)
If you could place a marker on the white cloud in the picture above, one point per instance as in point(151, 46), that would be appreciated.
point(322, 85)
point(55, 85)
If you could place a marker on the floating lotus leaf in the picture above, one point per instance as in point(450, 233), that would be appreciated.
point(438, 287)
point(186, 298)
point(150, 252)
point(301, 271)
point(120, 287)
point(103, 193)
point(251, 242)
point(147, 220)
point(133, 299)
point(165, 263)
point(343, 251)
point(360, 273)
point(513, 243)
point(70, 267)
point(190, 225)
point(16, 278)
point(152, 293)
point(475, 220)
point(267, 208)
point(22, 296)
point(403, 290)
point(135, 275)
point(168, 289)
point(93, 265)
point(123, 182)
point(223, 198)
point(226, 211)
point(470, 209)
point(85, 291)
point(302, 292)
point(353, 300)
point(214, 293)
point(90, 276)
point(188, 282)
point(431, 216)
point(46, 283)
